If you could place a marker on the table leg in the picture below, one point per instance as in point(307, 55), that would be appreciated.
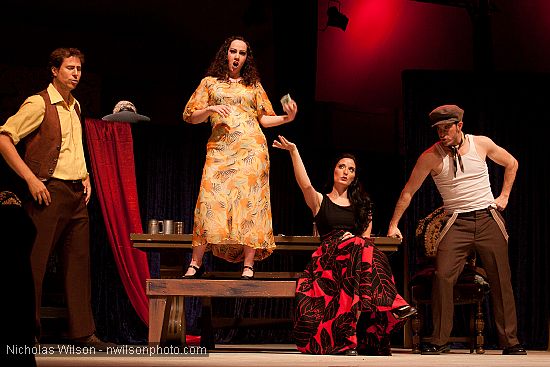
point(157, 308)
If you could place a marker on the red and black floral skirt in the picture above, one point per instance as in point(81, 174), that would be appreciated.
point(345, 280)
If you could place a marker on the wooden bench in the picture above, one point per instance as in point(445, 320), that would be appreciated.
point(163, 292)
point(168, 322)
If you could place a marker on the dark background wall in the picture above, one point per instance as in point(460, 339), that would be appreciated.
point(155, 53)
point(348, 86)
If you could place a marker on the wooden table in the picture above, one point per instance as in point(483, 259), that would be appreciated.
point(156, 243)
point(159, 243)
point(146, 241)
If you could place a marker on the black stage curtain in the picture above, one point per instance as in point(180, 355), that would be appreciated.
point(510, 108)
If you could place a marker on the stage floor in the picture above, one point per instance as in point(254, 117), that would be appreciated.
point(267, 355)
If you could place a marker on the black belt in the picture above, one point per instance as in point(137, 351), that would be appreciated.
point(474, 212)
point(66, 181)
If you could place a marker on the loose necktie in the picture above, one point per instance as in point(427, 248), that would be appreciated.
point(457, 159)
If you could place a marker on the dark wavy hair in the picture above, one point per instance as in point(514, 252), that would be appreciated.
point(59, 54)
point(359, 199)
point(219, 69)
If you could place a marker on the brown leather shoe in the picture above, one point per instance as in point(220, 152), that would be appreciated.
point(430, 348)
point(515, 350)
point(92, 341)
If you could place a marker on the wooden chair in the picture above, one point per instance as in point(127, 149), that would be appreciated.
point(470, 289)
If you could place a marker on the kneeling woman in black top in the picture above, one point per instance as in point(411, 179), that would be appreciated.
point(346, 300)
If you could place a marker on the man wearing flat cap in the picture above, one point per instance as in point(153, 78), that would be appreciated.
point(457, 165)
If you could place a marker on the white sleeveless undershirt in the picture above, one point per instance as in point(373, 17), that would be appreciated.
point(469, 190)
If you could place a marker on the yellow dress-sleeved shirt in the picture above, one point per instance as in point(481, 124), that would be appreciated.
point(233, 208)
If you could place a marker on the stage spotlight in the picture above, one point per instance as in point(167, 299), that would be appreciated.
point(336, 19)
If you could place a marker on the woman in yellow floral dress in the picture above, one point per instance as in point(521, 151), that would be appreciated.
point(233, 211)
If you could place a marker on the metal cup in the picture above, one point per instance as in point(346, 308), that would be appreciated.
point(153, 226)
point(166, 226)
point(178, 227)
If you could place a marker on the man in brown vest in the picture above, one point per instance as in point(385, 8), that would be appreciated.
point(53, 166)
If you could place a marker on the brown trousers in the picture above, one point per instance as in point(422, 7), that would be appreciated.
point(64, 224)
point(484, 232)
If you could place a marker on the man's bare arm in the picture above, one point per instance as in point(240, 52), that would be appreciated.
point(424, 165)
point(502, 157)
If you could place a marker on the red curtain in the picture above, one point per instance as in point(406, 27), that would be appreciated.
point(114, 183)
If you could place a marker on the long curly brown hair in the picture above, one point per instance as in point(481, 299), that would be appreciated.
point(359, 199)
point(220, 70)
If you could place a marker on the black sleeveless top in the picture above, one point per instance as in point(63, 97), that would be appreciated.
point(334, 217)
